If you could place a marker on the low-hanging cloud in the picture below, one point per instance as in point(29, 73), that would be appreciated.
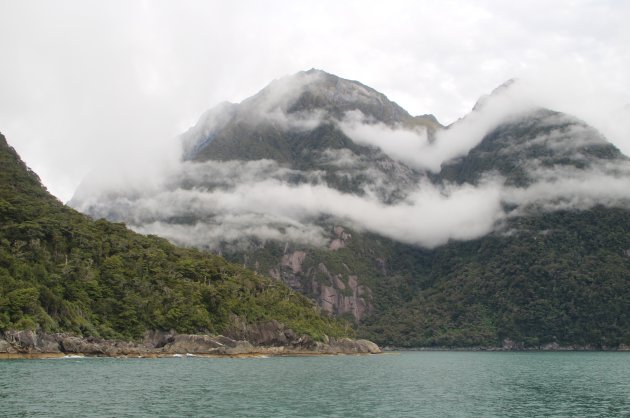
point(250, 208)
point(413, 146)
point(247, 204)
point(410, 146)
point(557, 188)
point(233, 204)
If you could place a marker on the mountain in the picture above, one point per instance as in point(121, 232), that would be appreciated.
point(506, 227)
point(306, 102)
point(293, 122)
point(60, 271)
point(537, 139)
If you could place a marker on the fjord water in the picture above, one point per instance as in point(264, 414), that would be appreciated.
point(398, 384)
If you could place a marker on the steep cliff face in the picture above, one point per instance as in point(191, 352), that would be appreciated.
point(341, 298)
point(338, 293)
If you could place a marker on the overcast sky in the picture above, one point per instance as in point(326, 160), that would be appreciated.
point(90, 83)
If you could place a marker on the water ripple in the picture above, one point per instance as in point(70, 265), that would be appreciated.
point(407, 384)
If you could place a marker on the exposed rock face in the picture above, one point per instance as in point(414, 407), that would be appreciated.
point(335, 293)
point(26, 341)
point(356, 346)
point(340, 239)
point(508, 344)
point(340, 298)
point(270, 333)
point(270, 338)
point(336, 244)
point(294, 261)
point(332, 294)
point(290, 269)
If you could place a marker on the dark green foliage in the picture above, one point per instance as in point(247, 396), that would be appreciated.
point(558, 277)
point(61, 271)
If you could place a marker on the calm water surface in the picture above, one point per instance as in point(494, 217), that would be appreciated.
point(410, 384)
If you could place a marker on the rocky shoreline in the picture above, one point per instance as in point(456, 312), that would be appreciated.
point(270, 339)
point(267, 339)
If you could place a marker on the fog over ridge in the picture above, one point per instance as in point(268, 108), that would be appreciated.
point(213, 203)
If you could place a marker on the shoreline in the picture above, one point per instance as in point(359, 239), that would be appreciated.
point(274, 352)
point(260, 341)
point(44, 356)
point(158, 344)
point(559, 349)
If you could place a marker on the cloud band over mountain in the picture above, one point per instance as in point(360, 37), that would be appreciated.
point(395, 192)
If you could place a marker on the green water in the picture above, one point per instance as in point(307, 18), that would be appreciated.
point(424, 384)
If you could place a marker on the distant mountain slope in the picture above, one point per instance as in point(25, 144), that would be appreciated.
point(294, 122)
point(61, 271)
point(536, 139)
point(510, 224)
point(256, 128)
point(556, 278)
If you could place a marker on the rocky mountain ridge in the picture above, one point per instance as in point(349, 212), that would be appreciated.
point(300, 101)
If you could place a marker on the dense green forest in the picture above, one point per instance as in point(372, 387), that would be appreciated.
point(549, 277)
point(62, 271)
point(560, 277)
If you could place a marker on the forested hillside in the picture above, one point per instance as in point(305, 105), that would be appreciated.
point(561, 277)
point(62, 271)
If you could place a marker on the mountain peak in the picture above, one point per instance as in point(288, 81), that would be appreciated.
point(483, 100)
point(317, 90)
point(299, 101)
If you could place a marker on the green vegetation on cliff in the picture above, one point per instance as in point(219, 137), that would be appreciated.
point(549, 277)
point(62, 271)
point(560, 277)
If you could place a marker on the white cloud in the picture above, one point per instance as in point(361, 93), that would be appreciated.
point(557, 188)
point(234, 200)
point(234, 231)
point(513, 101)
point(410, 146)
point(214, 203)
point(413, 147)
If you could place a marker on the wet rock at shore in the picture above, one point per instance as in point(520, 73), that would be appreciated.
point(267, 338)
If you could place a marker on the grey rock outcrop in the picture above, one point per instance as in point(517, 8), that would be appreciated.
point(346, 345)
point(28, 341)
point(337, 292)
point(271, 333)
point(340, 297)
point(271, 338)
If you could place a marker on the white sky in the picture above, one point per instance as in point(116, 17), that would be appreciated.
point(100, 83)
